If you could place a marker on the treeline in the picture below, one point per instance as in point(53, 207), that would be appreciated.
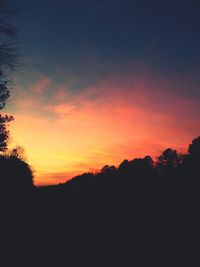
point(170, 173)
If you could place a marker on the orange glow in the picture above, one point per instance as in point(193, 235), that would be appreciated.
point(67, 133)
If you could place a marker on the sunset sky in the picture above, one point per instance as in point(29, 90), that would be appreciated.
point(101, 81)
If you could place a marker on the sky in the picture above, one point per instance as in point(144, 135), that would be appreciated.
point(101, 81)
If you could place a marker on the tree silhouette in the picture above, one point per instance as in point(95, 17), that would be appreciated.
point(194, 148)
point(8, 61)
point(19, 152)
point(15, 174)
point(136, 167)
point(4, 133)
point(8, 51)
point(168, 160)
point(4, 94)
point(108, 170)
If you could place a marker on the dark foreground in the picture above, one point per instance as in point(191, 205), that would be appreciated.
point(137, 224)
point(140, 214)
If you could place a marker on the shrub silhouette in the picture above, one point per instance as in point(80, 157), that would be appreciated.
point(15, 176)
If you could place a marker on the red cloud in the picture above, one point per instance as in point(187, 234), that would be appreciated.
point(124, 117)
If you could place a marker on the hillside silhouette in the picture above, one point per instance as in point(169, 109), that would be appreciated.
point(151, 204)
point(171, 173)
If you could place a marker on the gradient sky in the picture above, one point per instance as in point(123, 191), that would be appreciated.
point(101, 81)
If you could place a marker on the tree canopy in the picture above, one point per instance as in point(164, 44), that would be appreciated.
point(8, 62)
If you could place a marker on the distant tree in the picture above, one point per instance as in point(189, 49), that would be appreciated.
point(169, 159)
point(123, 165)
point(194, 148)
point(108, 170)
point(141, 166)
point(137, 168)
point(148, 161)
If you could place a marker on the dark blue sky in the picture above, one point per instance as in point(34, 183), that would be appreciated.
point(91, 39)
point(100, 81)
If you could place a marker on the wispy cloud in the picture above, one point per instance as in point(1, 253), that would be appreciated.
point(66, 132)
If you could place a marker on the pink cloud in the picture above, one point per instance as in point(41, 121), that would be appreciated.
point(40, 86)
point(121, 117)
